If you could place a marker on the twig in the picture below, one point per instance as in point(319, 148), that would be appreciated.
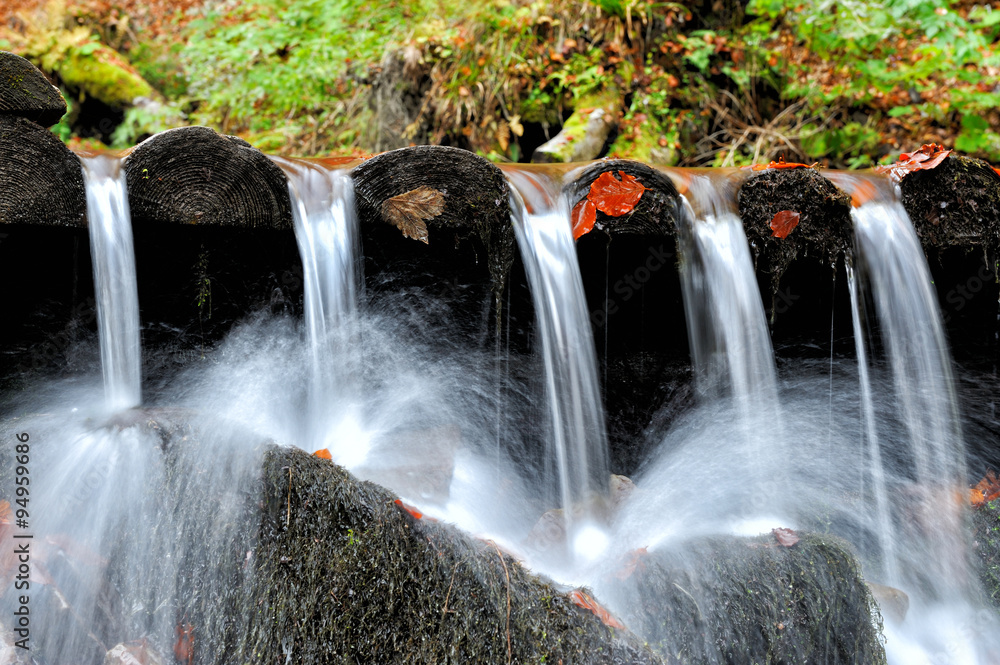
point(288, 518)
point(507, 575)
point(448, 595)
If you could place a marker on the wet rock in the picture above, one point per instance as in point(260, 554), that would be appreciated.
point(548, 535)
point(986, 545)
point(751, 600)
point(893, 602)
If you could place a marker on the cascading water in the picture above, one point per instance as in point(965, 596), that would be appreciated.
point(576, 414)
point(926, 553)
point(327, 235)
point(113, 257)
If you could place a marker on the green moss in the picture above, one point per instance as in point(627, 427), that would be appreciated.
point(101, 73)
point(986, 543)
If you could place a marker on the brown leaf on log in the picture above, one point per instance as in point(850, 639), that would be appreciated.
point(410, 211)
point(785, 537)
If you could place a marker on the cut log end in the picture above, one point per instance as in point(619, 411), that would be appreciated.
point(192, 175)
point(955, 204)
point(656, 212)
point(41, 181)
point(823, 229)
point(26, 93)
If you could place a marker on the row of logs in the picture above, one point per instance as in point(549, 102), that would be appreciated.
point(193, 175)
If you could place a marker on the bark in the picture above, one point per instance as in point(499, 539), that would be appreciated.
point(192, 175)
point(41, 181)
point(26, 93)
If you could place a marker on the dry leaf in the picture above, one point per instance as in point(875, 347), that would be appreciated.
point(785, 537)
point(408, 211)
point(408, 509)
point(928, 157)
point(585, 601)
point(184, 646)
point(986, 490)
point(584, 217)
point(783, 222)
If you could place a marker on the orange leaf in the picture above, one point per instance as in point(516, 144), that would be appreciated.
point(586, 602)
point(184, 646)
point(584, 217)
point(410, 510)
point(323, 453)
point(632, 561)
point(5, 512)
point(785, 537)
point(783, 222)
point(986, 490)
point(863, 193)
point(615, 197)
point(780, 164)
point(928, 157)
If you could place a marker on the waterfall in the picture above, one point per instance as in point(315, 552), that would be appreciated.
point(326, 230)
point(577, 434)
point(930, 456)
point(115, 287)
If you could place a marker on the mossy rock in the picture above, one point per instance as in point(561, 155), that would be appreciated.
point(737, 600)
point(986, 544)
point(343, 574)
point(100, 72)
point(824, 231)
point(955, 204)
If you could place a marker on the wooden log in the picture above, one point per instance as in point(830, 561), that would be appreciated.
point(656, 212)
point(955, 204)
point(26, 93)
point(460, 191)
point(193, 175)
point(41, 181)
point(824, 230)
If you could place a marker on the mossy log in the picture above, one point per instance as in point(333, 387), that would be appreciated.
point(654, 215)
point(26, 93)
point(474, 196)
point(41, 181)
point(737, 600)
point(193, 175)
point(824, 230)
point(955, 204)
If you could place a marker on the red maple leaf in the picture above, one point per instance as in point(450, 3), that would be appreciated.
point(323, 453)
point(585, 601)
point(928, 157)
point(611, 196)
point(783, 222)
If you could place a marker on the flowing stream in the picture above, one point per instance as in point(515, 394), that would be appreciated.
point(110, 226)
point(575, 411)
